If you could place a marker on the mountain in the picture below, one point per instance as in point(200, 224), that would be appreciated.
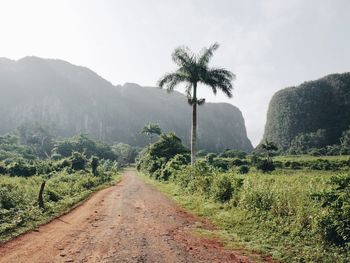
point(74, 99)
point(323, 104)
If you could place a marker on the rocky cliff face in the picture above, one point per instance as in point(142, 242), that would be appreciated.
point(321, 104)
point(74, 99)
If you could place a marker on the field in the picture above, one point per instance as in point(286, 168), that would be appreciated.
point(294, 213)
point(19, 211)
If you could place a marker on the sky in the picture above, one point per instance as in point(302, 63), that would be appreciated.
point(267, 44)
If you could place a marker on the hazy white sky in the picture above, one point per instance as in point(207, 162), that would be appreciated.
point(268, 44)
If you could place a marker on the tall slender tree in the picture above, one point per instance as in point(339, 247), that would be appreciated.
point(193, 69)
point(151, 129)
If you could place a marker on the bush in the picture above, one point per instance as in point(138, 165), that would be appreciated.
point(222, 188)
point(156, 155)
point(221, 163)
point(335, 223)
point(243, 169)
point(21, 168)
point(233, 154)
point(321, 164)
point(265, 166)
point(3, 168)
point(210, 157)
point(201, 153)
point(295, 165)
point(175, 164)
point(78, 161)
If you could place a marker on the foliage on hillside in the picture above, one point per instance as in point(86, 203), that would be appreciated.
point(313, 115)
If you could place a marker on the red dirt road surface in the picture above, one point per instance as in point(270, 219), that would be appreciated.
point(129, 222)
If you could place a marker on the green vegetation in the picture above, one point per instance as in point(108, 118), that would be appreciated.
point(19, 211)
point(66, 170)
point(312, 115)
point(297, 213)
point(151, 129)
point(193, 70)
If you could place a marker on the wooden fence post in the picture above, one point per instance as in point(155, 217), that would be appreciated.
point(40, 196)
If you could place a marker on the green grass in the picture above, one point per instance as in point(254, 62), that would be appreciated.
point(311, 158)
point(271, 213)
point(19, 212)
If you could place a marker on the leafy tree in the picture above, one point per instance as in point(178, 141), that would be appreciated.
point(84, 144)
point(305, 142)
point(125, 152)
point(39, 138)
point(159, 153)
point(151, 129)
point(193, 70)
point(11, 148)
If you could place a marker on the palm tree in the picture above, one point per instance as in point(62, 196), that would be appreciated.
point(151, 128)
point(193, 70)
point(269, 147)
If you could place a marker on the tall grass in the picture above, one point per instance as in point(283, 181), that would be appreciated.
point(19, 210)
point(272, 213)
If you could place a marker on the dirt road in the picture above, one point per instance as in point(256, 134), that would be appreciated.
point(129, 222)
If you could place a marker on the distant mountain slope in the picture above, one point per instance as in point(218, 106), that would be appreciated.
point(75, 99)
point(320, 104)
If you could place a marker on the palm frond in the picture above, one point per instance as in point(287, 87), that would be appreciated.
point(171, 80)
point(182, 56)
point(219, 79)
point(206, 54)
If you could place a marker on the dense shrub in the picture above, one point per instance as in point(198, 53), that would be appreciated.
point(78, 161)
point(3, 168)
point(321, 164)
point(175, 164)
point(156, 155)
point(335, 222)
point(243, 169)
point(21, 168)
point(210, 157)
point(221, 163)
point(265, 166)
point(85, 145)
point(221, 189)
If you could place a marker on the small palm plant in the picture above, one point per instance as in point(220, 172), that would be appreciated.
point(269, 147)
point(193, 70)
point(151, 129)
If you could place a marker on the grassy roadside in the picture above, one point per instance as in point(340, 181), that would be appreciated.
point(282, 237)
point(62, 194)
point(211, 210)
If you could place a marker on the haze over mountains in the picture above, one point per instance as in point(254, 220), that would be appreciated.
point(73, 99)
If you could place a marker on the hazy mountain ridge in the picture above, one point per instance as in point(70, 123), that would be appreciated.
point(75, 99)
point(313, 105)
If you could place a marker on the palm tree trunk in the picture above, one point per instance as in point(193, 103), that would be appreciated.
point(194, 125)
